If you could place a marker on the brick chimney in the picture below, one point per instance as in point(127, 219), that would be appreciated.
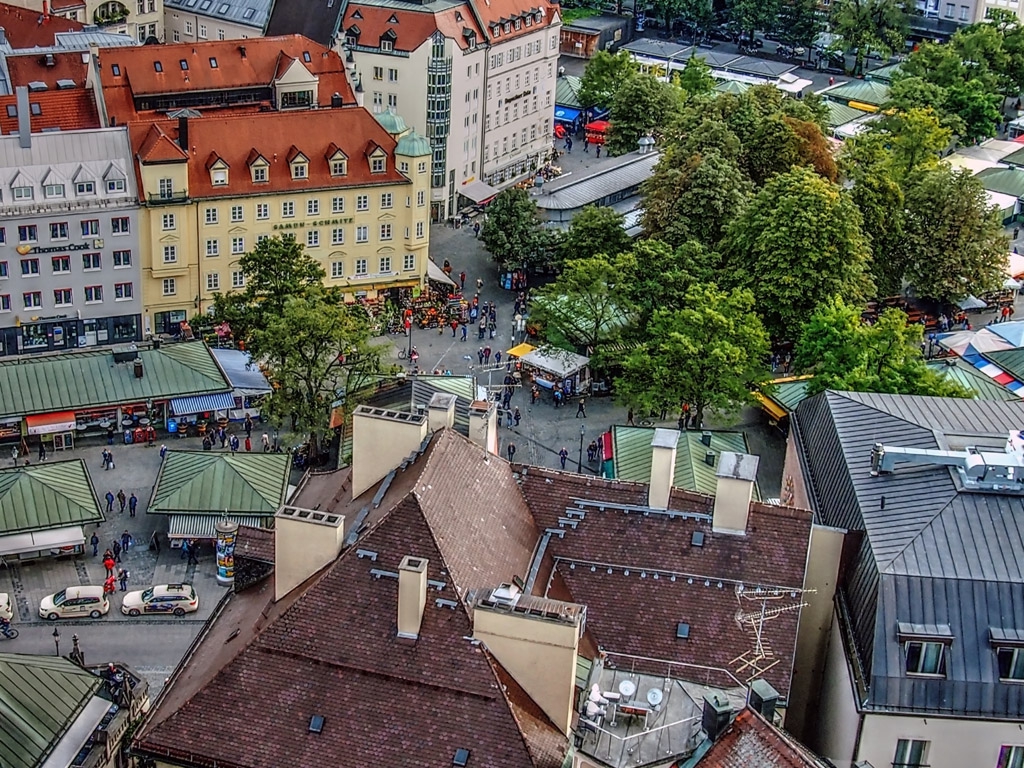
point(441, 411)
point(381, 441)
point(663, 467)
point(412, 596)
point(483, 429)
point(305, 541)
point(737, 473)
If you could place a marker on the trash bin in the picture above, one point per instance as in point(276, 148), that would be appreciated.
point(127, 437)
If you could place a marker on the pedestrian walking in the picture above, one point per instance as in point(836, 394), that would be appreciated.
point(122, 500)
point(462, 274)
point(481, 329)
point(479, 283)
point(133, 503)
point(108, 562)
point(184, 549)
point(497, 357)
point(629, 418)
point(455, 326)
point(562, 456)
point(500, 414)
point(487, 355)
point(480, 355)
point(110, 501)
point(266, 442)
point(110, 585)
point(95, 541)
point(115, 548)
point(163, 451)
point(558, 398)
point(193, 552)
point(591, 449)
point(42, 451)
point(517, 416)
point(465, 331)
point(581, 408)
point(223, 435)
point(110, 435)
point(598, 150)
point(508, 416)
point(511, 450)
point(122, 577)
point(234, 443)
point(126, 540)
point(586, 145)
point(534, 394)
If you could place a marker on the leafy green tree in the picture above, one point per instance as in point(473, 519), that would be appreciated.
point(595, 229)
point(692, 197)
point(604, 74)
point(977, 106)
point(275, 269)
point(513, 232)
point(667, 10)
point(700, 13)
point(954, 235)
point(773, 149)
point(656, 276)
point(753, 15)
point(866, 25)
point(797, 243)
point(915, 139)
point(844, 353)
point(800, 22)
point(642, 106)
point(314, 348)
point(710, 355)
point(583, 306)
point(695, 78)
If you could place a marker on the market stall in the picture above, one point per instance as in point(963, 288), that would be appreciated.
point(552, 368)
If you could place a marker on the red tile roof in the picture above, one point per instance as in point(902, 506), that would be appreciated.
point(250, 63)
point(752, 741)
point(412, 27)
point(235, 138)
point(33, 67)
point(772, 553)
point(69, 110)
point(333, 651)
point(66, 5)
point(497, 12)
point(28, 29)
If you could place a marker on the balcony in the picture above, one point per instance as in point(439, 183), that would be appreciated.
point(109, 14)
point(167, 198)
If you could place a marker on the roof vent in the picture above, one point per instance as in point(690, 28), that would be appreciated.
point(37, 85)
point(50, 61)
point(65, 85)
point(709, 458)
point(705, 437)
point(682, 630)
point(316, 724)
point(461, 758)
point(697, 539)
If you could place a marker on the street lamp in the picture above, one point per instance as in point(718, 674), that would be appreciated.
point(56, 640)
point(579, 463)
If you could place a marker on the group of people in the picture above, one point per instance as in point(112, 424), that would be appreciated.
point(132, 502)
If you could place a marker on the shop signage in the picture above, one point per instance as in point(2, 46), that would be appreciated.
point(321, 223)
point(61, 248)
point(523, 95)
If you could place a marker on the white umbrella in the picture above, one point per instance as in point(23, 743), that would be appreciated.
point(1011, 285)
point(971, 302)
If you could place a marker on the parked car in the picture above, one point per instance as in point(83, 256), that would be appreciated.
point(74, 602)
point(176, 599)
point(6, 608)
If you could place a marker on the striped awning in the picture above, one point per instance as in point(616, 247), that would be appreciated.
point(204, 526)
point(186, 406)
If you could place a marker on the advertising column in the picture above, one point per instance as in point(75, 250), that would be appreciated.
point(227, 531)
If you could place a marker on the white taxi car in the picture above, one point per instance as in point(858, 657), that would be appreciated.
point(176, 599)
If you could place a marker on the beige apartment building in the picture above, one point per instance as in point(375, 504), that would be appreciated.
point(141, 20)
point(190, 21)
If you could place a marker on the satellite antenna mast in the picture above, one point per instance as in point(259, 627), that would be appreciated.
point(773, 602)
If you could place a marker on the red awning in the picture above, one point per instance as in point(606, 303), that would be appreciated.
point(48, 423)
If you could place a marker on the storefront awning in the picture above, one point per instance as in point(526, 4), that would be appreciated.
point(520, 349)
point(48, 423)
point(186, 406)
point(566, 114)
point(37, 541)
point(477, 191)
point(204, 526)
point(437, 274)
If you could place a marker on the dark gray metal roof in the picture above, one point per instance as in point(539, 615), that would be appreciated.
point(250, 13)
point(932, 554)
point(315, 19)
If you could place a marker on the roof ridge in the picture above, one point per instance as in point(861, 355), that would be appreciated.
point(887, 567)
point(845, 395)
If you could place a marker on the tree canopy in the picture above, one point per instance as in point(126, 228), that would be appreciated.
point(709, 355)
point(595, 229)
point(513, 232)
point(869, 25)
point(642, 105)
point(604, 74)
point(845, 353)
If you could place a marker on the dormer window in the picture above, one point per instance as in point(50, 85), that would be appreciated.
point(924, 648)
point(259, 174)
point(22, 193)
point(518, 24)
point(386, 46)
point(258, 167)
point(339, 168)
point(506, 27)
point(540, 17)
point(85, 188)
point(53, 190)
point(300, 170)
point(218, 170)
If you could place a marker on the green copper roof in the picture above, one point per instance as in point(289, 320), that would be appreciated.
point(40, 697)
point(413, 145)
point(789, 393)
point(46, 495)
point(865, 91)
point(392, 123)
point(969, 377)
point(631, 448)
point(1007, 181)
point(732, 86)
point(90, 379)
point(218, 482)
point(841, 114)
point(884, 74)
point(567, 88)
point(1011, 361)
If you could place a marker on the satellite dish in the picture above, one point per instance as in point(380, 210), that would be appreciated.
point(627, 688)
point(655, 696)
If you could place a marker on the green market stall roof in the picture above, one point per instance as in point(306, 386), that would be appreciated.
point(784, 396)
point(40, 699)
point(841, 114)
point(870, 92)
point(220, 482)
point(567, 90)
point(83, 380)
point(884, 74)
point(631, 457)
point(967, 376)
point(44, 496)
point(1006, 181)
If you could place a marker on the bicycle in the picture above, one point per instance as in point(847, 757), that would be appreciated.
point(8, 633)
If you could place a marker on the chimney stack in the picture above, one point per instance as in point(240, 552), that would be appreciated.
point(24, 118)
point(381, 441)
point(183, 133)
point(305, 540)
point(737, 473)
point(441, 411)
point(412, 596)
point(763, 699)
point(483, 429)
point(336, 101)
point(663, 467)
point(716, 716)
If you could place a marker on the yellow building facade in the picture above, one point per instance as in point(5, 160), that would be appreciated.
point(355, 196)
